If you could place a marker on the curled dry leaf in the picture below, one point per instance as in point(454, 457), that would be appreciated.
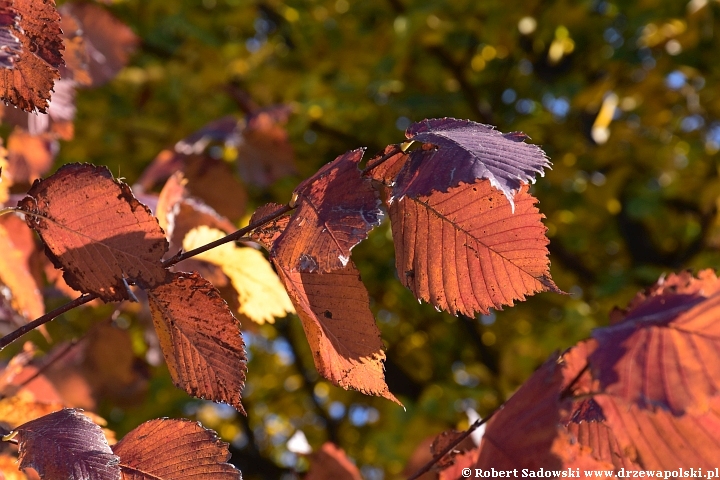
point(96, 231)
point(261, 295)
point(464, 251)
point(108, 42)
point(331, 463)
point(664, 353)
point(336, 209)
point(28, 84)
point(468, 151)
point(168, 449)
point(200, 339)
point(335, 311)
point(66, 444)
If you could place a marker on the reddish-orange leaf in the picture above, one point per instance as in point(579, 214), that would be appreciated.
point(345, 341)
point(336, 209)
point(168, 449)
point(385, 170)
point(29, 156)
point(28, 84)
point(268, 233)
point(331, 463)
point(661, 440)
point(77, 57)
point(465, 251)
point(108, 41)
point(460, 462)
point(96, 231)
point(264, 151)
point(58, 121)
point(200, 339)
point(15, 272)
point(66, 444)
point(665, 352)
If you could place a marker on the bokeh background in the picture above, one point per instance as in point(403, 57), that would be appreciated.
point(623, 96)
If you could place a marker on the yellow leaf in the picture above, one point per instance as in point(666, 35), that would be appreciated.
point(261, 295)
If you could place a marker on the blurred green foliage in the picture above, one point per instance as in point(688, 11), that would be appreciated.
point(623, 96)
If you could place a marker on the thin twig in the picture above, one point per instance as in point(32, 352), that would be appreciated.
point(87, 297)
point(426, 468)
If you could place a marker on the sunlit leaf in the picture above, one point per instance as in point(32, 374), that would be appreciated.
point(96, 231)
point(17, 245)
point(465, 251)
point(331, 463)
point(200, 339)
point(167, 449)
point(336, 209)
point(261, 295)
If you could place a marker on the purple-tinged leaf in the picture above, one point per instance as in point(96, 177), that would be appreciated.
point(467, 151)
point(10, 46)
point(66, 444)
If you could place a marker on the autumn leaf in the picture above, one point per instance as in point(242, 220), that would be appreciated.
point(335, 312)
point(15, 271)
point(58, 123)
point(331, 463)
point(168, 449)
point(468, 151)
point(664, 353)
point(66, 444)
point(336, 209)
point(464, 251)
point(28, 83)
point(108, 42)
point(261, 295)
point(77, 56)
point(200, 338)
point(96, 231)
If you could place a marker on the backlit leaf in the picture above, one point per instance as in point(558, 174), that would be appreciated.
point(664, 353)
point(344, 339)
point(66, 444)
point(336, 209)
point(200, 338)
point(468, 151)
point(29, 156)
point(58, 123)
point(168, 449)
point(464, 251)
point(28, 84)
point(261, 295)
point(96, 231)
point(335, 312)
point(331, 463)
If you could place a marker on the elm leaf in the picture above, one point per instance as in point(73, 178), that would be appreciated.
point(468, 151)
point(336, 209)
point(170, 449)
point(66, 444)
point(200, 338)
point(464, 251)
point(96, 231)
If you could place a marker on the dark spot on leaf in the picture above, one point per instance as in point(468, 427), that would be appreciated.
point(328, 314)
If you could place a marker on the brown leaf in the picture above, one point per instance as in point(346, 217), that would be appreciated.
point(664, 353)
point(331, 463)
point(464, 251)
point(28, 84)
point(58, 121)
point(95, 229)
point(461, 461)
point(29, 156)
point(15, 269)
point(168, 449)
point(108, 41)
point(386, 170)
point(268, 233)
point(66, 444)
point(77, 57)
point(336, 209)
point(264, 151)
point(200, 339)
point(345, 341)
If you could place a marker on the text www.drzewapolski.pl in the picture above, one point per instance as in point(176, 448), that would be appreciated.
point(577, 473)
